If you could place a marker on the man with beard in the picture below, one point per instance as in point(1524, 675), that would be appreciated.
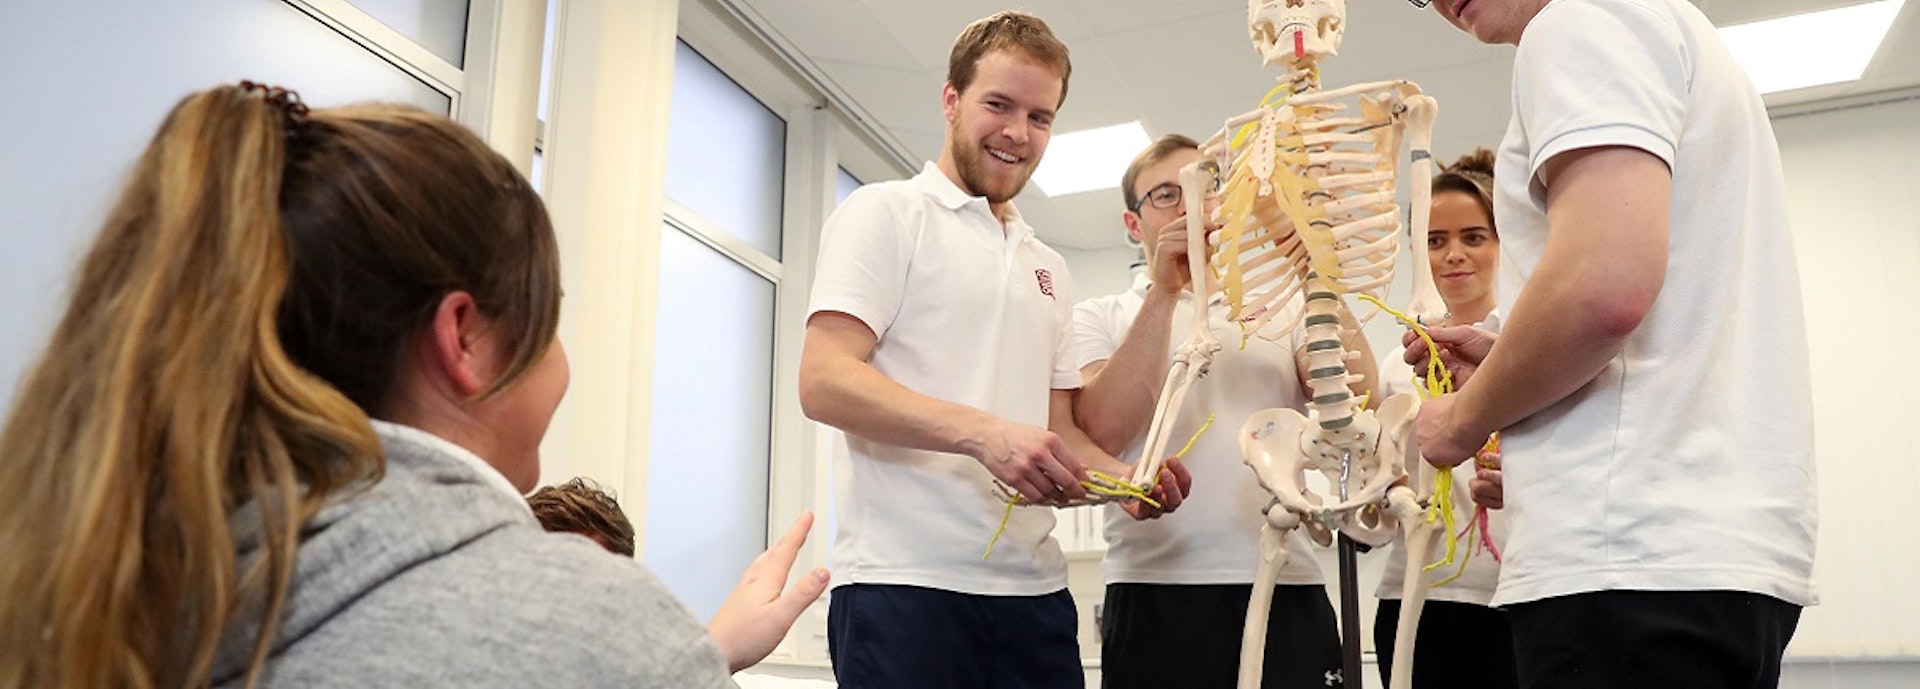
point(938, 339)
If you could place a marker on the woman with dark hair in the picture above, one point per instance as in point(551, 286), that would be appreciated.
point(1462, 642)
point(280, 435)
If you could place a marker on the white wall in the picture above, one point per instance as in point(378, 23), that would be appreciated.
point(1853, 195)
point(1099, 272)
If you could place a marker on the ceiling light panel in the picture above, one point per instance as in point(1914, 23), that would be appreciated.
point(1089, 159)
point(1812, 49)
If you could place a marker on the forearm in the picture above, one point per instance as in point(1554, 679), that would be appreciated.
point(852, 396)
point(1116, 405)
point(1079, 444)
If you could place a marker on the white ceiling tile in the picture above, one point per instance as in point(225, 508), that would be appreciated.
point(1186, 65)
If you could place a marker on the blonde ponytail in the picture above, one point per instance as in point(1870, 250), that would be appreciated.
point(164, 401)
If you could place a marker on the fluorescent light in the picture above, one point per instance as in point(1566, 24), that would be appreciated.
point(1812, 49)
point(1089, 159)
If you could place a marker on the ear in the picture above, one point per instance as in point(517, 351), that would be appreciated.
point(454, 348)
point(1132, 221)
point(949, 100)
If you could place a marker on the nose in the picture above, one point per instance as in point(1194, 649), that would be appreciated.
point(1016, 131)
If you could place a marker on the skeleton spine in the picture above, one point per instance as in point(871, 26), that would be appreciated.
point(1333, 403)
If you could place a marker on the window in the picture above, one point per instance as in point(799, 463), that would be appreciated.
point(86, 86)
point(710, 442)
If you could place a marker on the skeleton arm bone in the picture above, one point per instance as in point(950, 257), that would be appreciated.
point(1168, 494)
point(1420, 111)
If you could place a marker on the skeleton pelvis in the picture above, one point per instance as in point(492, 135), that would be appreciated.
point(1282, 445)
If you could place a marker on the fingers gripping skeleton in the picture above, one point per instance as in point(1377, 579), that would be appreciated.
point(1305, 214)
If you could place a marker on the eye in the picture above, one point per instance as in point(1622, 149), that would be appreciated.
point(1436, 243)
point(1041, 120)
point(1475, 238)
point(996, 106)
point(1165, 194)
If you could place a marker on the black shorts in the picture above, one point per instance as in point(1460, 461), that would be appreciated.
point(1648, 639)
point(1458, 646)
point(890, 637)
point(1188, 636)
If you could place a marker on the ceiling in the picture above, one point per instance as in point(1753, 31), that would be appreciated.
point(1186, 65)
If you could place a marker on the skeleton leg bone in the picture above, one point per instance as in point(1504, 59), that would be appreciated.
point(1273, 556)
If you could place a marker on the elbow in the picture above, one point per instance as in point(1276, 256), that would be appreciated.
point(1108, 440)
point(1616, 314)
point(1098, 429)
point(813, 395)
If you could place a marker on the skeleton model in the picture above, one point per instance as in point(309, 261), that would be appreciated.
point(1304, 188)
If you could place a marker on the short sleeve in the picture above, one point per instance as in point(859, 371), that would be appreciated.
point(1066, 362)
point(1601, 73)
point(1093, 335)
point(865, 250)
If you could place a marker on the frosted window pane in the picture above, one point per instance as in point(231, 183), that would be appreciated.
point(538, 172)
point(86, 84)
point(726, 153)
point(844, 184)
point(546, 59)
point(711, 434)
point(440, 26)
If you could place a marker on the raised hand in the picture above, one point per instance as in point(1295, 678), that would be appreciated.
point(757, 615)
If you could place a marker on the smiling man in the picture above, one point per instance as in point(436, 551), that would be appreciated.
point(1651, 381)
point(938, 340)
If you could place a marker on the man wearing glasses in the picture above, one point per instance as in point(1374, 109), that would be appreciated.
point(1177, 588)
point(1661, 491)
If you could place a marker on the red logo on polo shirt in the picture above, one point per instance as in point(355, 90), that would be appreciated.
point(1046, 281)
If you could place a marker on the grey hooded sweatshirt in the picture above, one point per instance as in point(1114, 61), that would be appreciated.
point(436, 577)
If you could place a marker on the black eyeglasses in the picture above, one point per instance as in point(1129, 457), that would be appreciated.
point(1166, 195)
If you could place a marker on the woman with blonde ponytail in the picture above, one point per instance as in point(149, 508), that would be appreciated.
point(280, 435)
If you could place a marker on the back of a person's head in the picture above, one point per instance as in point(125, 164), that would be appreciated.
point(241, 312)
point(581, 506)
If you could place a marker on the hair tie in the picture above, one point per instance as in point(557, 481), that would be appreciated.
point(293, 111)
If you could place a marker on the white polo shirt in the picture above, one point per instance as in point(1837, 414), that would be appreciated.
point(968, 311)
point(1215, 537)
point(1687, 463)
point(1476, 583)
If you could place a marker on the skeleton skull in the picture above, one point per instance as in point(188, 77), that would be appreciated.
point(1291, 32)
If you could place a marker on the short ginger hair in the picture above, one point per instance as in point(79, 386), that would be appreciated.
point(1013, 31)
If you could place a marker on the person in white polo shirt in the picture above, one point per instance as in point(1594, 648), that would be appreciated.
point(1651, 381)
point(937, 339)
point(1462, 643)
point(1177, 588)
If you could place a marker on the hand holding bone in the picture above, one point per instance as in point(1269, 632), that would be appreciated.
point(1170, 272)
point(1171, 489)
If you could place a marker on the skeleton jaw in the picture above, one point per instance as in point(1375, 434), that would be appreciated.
point(1296, 36)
